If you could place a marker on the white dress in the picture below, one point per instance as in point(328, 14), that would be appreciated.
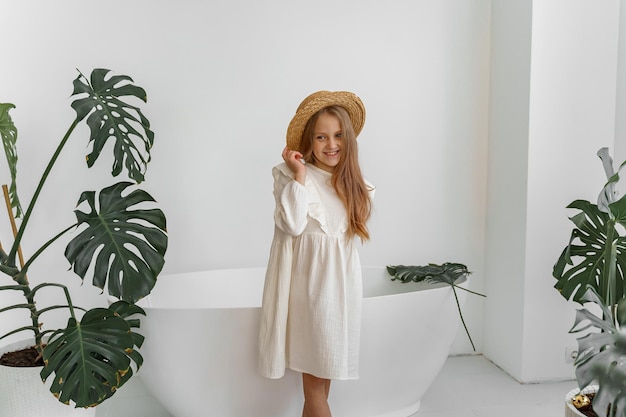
point(311, 313)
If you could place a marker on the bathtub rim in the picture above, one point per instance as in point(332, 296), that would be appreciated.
point(146, 302)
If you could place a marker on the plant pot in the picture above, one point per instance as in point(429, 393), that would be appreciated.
point(22, 394)
point(570, 409)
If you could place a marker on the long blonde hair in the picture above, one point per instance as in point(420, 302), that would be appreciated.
point(346, 179)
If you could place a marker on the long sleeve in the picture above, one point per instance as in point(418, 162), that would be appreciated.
point(290, 214)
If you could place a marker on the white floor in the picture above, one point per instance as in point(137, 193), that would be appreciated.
point(468, 386)
point(472, 386)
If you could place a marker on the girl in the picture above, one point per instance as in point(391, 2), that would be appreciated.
point(312, 298)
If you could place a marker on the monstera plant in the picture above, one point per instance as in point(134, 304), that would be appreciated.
point(120, 242)
point(591, 269)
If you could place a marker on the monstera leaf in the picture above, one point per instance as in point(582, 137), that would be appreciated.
point(8, 133)
point(447, 272)
point(595, 247)
point(602, 356)
point(110, 117)
point(90, 359)
point(128, 244)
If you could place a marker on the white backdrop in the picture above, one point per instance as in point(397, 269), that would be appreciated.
point(223, 80)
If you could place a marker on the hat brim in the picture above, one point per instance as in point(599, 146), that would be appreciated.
point(318, 101)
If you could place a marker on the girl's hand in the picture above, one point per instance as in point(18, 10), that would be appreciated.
point(294, 161)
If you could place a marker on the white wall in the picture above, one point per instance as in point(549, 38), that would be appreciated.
point(553, 107)
point(620, 111)
point(223, 80)
point(508, 170)
point(573, 83)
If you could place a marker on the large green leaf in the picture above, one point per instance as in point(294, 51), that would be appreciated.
point(601, 357)
point(90, 359)
point(8, 133)
point(127, 243)
point(448, 272)
point(110, 117)
point(582, 262)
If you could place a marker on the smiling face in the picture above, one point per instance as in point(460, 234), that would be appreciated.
point(327, 142)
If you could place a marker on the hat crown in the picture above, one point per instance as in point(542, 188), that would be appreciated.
point(319, 100)
point(311, 98)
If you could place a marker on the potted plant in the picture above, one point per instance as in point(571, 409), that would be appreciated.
point(120, 242)
point(591, 269)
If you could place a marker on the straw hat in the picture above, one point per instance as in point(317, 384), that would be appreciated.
point(319, 100)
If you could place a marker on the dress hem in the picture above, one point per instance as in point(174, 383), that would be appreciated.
point(335, 378)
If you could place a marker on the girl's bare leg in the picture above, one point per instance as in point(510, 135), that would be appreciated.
point(316, 392)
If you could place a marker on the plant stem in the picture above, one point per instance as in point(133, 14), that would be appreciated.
point(610, 255)
point(29, 210)
point(469, 291)
point(12, 287)
point(30, 305)
point(44, 310)
point(458, 306)
point(13, 307)
point(21, 329)
point(44, 247)
point(70, 306)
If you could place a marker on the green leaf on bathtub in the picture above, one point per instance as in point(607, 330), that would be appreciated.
point(449, 273)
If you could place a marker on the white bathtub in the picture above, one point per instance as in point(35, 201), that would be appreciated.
point(201, 347)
